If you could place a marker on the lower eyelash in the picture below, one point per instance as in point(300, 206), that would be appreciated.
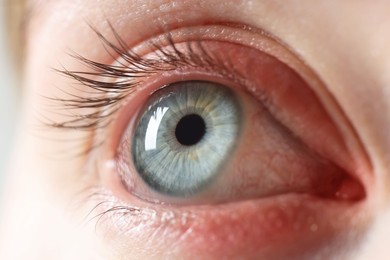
point(103, 206)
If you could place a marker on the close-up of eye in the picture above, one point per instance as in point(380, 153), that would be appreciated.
point(211, 142)
point(206, 126)
point(197, 130)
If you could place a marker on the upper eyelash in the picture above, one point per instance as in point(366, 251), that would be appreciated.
point(106, 95)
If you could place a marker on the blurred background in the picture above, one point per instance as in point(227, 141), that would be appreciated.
point(8, 104)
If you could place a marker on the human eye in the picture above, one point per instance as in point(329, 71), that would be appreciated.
point(201, 138)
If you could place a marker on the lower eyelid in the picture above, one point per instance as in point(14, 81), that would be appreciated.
point(288, 225)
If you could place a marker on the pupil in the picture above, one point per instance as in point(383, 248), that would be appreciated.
point(190, 129)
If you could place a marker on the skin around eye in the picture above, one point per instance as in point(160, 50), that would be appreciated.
point(293, 217)
point(345, 44)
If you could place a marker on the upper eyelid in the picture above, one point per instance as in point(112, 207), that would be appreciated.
point(109, 93)
point(102, 85)
point(97, 76)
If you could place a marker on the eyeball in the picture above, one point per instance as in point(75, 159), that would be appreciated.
point(185, 136)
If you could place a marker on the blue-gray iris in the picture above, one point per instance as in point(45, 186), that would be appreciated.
point(185, 135)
